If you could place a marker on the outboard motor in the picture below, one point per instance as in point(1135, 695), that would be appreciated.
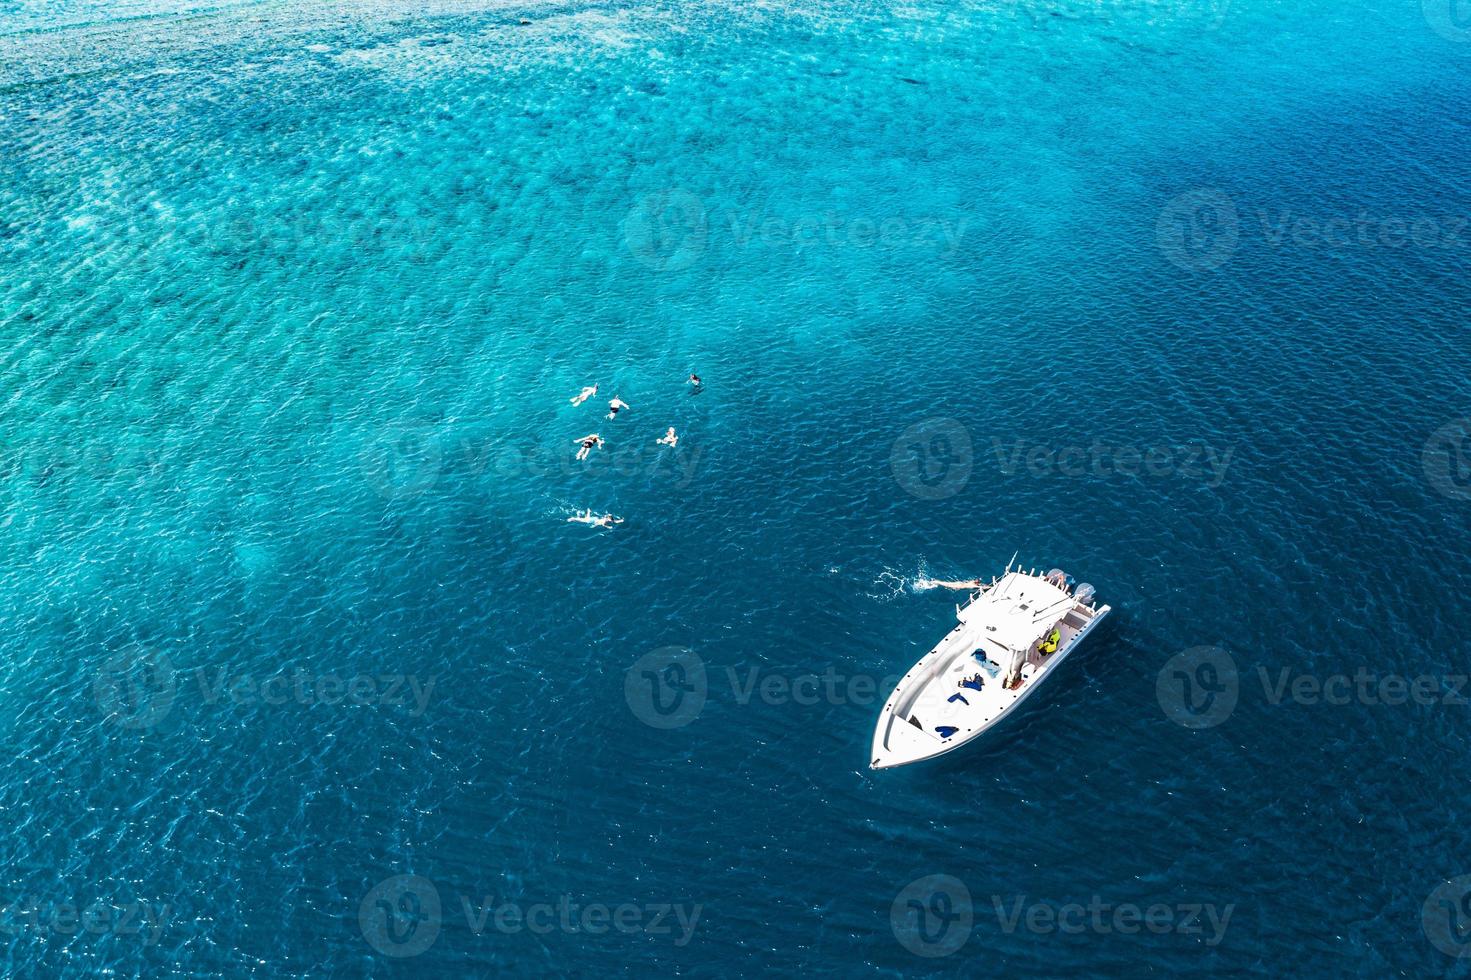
point(1084, 595)
point(1060, 579)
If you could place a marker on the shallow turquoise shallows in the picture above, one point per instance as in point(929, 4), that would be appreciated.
point(304, 672)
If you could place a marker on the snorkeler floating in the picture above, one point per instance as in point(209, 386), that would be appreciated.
point(588, 444)
point(593, 440)
point(586, 517)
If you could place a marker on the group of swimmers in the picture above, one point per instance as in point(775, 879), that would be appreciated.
point(593, 440)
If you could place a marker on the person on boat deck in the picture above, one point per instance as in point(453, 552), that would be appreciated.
point(1049, 645)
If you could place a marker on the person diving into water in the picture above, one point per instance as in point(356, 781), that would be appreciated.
point(584, 394)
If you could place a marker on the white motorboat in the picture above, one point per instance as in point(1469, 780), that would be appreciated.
point(1012, 634)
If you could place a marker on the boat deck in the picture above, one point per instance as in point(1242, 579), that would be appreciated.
point(956, 691)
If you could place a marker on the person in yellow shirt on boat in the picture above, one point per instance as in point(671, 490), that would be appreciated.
point(1049, 642)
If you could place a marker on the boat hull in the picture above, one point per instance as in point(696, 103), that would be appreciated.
point(899, 740)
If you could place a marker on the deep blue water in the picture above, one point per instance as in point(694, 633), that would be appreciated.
point(1173, 296)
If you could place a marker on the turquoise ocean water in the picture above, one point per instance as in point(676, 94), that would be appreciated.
point(303, 672)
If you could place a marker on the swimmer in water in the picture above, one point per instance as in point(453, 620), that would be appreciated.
point(615, 406)
point(670, 439)
point(585, 394)
point(586, 517)
point(695, 381)
point(970, 583)
point(587, 444)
